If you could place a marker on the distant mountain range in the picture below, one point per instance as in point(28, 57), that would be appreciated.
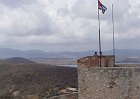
point(120, 53)
point(8, 53)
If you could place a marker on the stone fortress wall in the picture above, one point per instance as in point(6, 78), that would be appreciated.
point(107, 82)
point(128, 65)
point(94, 61)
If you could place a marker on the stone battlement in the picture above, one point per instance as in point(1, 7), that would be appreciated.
point(94, 61)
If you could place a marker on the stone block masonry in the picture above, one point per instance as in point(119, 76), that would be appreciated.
point(94, 61)
point(109, 83)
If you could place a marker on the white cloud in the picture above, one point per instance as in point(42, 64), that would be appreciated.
point(48, 24)
point(16, 3)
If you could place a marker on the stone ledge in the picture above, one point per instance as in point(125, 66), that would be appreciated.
point(109, 82)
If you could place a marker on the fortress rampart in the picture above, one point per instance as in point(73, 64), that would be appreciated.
point(107, 82)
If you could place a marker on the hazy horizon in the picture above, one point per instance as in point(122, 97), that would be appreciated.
point(65, 50)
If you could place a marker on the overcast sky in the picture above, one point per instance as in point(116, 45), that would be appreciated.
point(67, 25)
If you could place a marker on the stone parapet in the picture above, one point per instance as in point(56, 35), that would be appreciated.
point(94, 61)
point(109, 83)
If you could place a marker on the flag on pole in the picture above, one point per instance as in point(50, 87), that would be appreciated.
point(101, 7)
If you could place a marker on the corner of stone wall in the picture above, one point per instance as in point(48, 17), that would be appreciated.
point(108, 83)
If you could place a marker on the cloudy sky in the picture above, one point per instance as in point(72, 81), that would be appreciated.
point(67, 25)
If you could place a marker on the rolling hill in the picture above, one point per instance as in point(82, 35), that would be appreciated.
point(34, 79)
point(16, 60)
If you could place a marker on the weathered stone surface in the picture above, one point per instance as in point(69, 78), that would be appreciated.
point(94, 61)
point(128, 65)
point(109, 83)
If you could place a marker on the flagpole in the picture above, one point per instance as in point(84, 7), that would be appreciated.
point(100, 50)
point(113, 33)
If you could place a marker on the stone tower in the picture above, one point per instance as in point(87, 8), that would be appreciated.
point(107, 82)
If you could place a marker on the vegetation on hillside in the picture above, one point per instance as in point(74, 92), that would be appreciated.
point(25, 80)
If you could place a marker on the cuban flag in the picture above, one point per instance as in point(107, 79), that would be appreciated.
point(101, 7)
